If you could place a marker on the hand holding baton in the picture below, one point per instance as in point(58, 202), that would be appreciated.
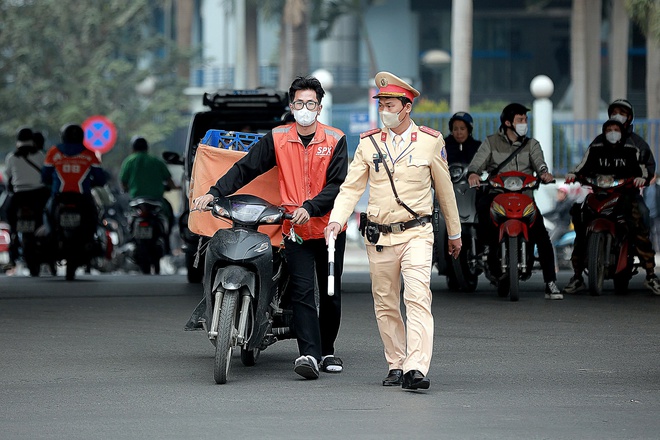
point(331, 264)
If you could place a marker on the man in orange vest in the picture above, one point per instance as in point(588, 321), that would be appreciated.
point(312, 162)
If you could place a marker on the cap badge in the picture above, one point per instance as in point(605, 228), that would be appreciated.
point(383, 82)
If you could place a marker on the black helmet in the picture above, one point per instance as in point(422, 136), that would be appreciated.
point(614, 122)
point(139, 143)
point(24, 134)
point(510, 111)
point(462, 116)
point(623, 103)
point(39, 140)
point(72, 134)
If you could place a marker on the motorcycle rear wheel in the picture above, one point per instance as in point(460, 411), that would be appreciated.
point(596, 262)
point(227, 331)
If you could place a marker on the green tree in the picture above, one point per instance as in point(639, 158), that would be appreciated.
point(64, 60)
point(647, 14)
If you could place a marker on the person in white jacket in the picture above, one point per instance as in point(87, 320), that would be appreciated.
point(23, 175)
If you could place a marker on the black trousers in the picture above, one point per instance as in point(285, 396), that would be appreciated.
point(537, 233)
point(316, 333)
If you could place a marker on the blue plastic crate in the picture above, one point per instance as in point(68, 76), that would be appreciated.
point(231, 140)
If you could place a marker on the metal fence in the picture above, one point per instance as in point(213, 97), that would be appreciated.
point(570, 138)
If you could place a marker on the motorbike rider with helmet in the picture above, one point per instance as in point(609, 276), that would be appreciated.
point(144, 175)
point(496, 149)
point(460, 145)
point(614, 153)
point(69, 167)
point(23, 172)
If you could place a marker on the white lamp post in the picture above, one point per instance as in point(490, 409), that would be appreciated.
point(542, 88)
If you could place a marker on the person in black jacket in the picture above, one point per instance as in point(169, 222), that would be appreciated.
point(614, 153)
point(460, 144)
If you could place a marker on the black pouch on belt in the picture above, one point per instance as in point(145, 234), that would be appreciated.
point(372, 232)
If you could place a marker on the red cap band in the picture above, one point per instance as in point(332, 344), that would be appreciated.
point(394, 91)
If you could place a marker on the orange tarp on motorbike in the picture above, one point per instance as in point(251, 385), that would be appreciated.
point(210, 164)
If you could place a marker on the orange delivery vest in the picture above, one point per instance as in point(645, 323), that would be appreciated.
point(303, 172)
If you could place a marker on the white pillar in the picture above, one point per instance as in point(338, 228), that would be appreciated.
point(240, 69)
point(327, 81)
point(542, 88)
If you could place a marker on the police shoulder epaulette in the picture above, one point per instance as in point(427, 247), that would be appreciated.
point(428, 130)
point(369, 133)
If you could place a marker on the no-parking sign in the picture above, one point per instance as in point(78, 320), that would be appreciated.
point(100, 134)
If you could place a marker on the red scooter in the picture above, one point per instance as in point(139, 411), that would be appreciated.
point(513, 213)
point(609, 254)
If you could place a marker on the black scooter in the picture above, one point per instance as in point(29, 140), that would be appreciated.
point(245, 282)
point(148, 227)
point(462, 272)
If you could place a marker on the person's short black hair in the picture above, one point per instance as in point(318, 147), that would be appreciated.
point(140, 144)
point(306, 83)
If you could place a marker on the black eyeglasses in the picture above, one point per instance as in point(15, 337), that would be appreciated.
point(311, 105)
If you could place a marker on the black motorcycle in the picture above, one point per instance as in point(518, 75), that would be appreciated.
point(462, 272)
point(149, 230)
point(75, 232)
point(32, 248)
point(245, 281)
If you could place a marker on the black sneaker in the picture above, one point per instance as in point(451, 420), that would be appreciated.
point(653, 283)
point(552, 291)
point(331, 364)
point(575, 285)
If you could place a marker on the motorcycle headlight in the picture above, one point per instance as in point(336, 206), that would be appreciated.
point(247, 213)
point(513, 183)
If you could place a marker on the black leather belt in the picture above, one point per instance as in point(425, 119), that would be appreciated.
point(397, 228)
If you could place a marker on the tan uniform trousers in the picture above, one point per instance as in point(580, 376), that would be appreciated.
point(411, 349)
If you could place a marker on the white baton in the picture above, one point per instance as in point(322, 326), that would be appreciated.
point(331, 264)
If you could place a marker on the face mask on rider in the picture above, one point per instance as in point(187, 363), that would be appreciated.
point(613, 136)
point(521, 129)
point(304, 116)
point(390, 119)
point(620, 118)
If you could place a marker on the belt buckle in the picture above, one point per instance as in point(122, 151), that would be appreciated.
point(397, 228)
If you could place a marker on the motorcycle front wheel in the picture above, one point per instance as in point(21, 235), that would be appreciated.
point(227, 331)
point(596, 262)
point(514, 281)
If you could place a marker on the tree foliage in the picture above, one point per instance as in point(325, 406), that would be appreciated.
point(62, 61)
point(647, 14)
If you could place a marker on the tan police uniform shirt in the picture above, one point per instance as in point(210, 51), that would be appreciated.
point(419, 165)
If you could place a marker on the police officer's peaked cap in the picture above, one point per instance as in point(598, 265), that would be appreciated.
point(391, 86)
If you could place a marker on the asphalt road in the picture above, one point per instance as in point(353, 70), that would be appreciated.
point(106, 357)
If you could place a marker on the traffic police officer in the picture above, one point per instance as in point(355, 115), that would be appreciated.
point(408, 160)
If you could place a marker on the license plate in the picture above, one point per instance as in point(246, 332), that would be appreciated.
point(26, 226)
point(143, 232)
point(70, 220)
point(4, 257)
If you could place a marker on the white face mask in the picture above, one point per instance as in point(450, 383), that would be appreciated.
point(613, 136)
point(389, 119)
point(521, 129)
point(620, 118)
point(305, 117)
